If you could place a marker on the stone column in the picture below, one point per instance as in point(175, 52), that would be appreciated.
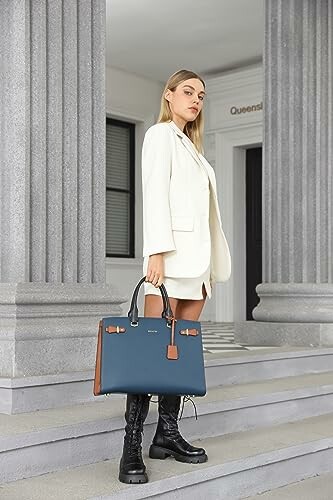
point(296, 296)
point(52, 200)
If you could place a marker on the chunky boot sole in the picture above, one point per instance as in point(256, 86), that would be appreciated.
point(133, 478)
point(162, 453)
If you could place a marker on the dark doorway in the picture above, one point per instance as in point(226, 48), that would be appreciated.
point(253, 227)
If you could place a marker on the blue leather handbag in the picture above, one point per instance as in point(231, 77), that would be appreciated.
point(143, 355)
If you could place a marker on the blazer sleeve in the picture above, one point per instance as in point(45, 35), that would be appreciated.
point(156, 173)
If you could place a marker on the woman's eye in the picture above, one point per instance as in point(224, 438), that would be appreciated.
point(187, 92)
point(201, 97)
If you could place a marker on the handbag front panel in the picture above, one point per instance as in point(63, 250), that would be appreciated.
point(136, 361)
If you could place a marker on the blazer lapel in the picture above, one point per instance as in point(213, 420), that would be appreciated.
point(190, 148)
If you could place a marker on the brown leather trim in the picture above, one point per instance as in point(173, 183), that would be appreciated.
point(115, 329)
point(189, 331)
point(97, 381)
point(172, 352)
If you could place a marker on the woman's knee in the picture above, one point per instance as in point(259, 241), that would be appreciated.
point(189, 309)
point(153, 305)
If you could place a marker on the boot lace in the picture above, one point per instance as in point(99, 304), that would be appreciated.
point(134, 448)
point(185, 400)
point(135, 437)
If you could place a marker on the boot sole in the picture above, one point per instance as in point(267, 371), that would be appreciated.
point(162, 453)
point(133, 478)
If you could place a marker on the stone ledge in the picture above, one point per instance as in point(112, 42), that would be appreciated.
point(269, 333)
point(58, 293)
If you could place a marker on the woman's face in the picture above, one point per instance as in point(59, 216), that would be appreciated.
point(186, 101)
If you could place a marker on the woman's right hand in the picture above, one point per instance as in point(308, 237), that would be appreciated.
point(155, 269)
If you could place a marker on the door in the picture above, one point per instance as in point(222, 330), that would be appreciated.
point(253, 227)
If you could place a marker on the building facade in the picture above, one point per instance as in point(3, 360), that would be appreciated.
point(53, 283)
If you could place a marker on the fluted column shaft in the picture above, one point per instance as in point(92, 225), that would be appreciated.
point(52, 141)
point(298, 139)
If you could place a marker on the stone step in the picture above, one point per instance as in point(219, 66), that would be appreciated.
point(49, 440)
point(249, 366)
point(28, 394)
point(240, 465)
point(314, 488)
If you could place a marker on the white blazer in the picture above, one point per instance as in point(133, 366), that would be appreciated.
point(170, 218)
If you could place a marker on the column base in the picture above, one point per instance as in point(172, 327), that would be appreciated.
point(266, 333)
point(48, 336)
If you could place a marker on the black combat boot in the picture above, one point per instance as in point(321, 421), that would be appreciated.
point(168, 440)
point(132, 469)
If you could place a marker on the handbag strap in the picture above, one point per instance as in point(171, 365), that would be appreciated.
point(133, 313)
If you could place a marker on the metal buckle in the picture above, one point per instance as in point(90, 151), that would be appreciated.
point(170, 320)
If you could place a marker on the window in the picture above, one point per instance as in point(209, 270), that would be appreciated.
point(120, 188)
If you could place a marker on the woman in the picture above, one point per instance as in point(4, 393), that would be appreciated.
point(184, 248)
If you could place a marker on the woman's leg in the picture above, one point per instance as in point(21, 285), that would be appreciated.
point(168, 440)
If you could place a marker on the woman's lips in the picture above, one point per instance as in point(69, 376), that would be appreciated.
point(194, 109)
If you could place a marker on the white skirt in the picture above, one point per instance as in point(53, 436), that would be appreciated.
point(183, 288)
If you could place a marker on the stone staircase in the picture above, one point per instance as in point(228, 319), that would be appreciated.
point(266, 422)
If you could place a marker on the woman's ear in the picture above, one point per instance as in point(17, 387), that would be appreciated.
point(167, 95)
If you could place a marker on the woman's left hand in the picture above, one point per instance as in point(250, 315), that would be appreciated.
point(155, 269)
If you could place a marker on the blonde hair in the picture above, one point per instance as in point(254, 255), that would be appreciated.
point(193, 130)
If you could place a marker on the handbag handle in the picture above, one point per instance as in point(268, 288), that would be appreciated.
point(133, 313)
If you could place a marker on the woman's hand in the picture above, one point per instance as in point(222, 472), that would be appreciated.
point(155, 269)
